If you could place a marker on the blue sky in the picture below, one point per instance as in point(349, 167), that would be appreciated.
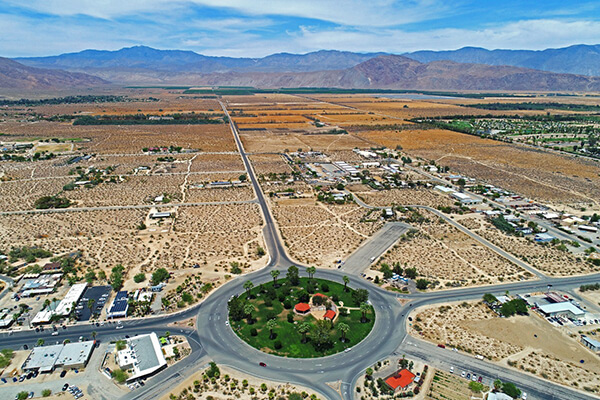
point(255, 28)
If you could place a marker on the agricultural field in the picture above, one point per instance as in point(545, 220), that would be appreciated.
point(544, 351)
point(445, 386)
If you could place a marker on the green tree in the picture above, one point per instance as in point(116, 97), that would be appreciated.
point(422, 284)
point(320, 337)
point(303, 328)
point(94, 334)
point(90, 304)
point(410, 273)
point(40, 342)
point(364, 309)
point(46, 393)
point(311, 272)
point(360, 296)
point(489, 298)
point(120, 345)
point(369, 372)
point(248, 285)
point(6, 356)
point(22, 395)
point(346, 282)
point(343, 328)
point(120, 376)
point(497, 384)
point(160, 275)
point(510, 389)
point(292, 275)
point(476, 387)
point(248, 310)
point(386, 271)
point(275, 273)
point(271, 324)
point(138, 278)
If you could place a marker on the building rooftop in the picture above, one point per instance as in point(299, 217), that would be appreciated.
point(400, 379)
point(43, 358)
point(148, 355)
point(591, 341)
point(302, 307)
point(330, 314)
point(561, 307)
point(75, 353)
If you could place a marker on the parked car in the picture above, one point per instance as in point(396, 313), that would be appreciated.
point(65, 387)
point(442, 346)
point(262, 364)
point(62, 374)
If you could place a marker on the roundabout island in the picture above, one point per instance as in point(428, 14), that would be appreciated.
point(301, 317)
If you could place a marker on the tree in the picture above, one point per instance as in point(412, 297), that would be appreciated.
point(119, 375)
point(6, 356)
point(292, 275)
point(320, 337)
point(40, 342)
point(360, 296)
point(46, 392)
point(346, 281)
point(497, 384)
point(510, 389)
point(386, 271)
point(422, 284)
point(160, 275)
point(236, 308)
point(120, 345)
point(138, 278)
point(248, 310)
point(343, 328)
point(22, 395)
point(369, 372)
point(410, 273)
point(311, 272)
point(248, 285)
point(90, 304)
point(275, 273)
point(243, 178)
point(364, 309)
point(476, 387)
point(94, 334)
point(303, 329)
point(271, 324)
point(489, 298)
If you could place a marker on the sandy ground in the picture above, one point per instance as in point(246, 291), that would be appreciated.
point(229, 386)
point(528, 343)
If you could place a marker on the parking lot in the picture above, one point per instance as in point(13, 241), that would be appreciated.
point(97, 296)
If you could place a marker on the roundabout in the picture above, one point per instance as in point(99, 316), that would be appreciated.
point(301, 317)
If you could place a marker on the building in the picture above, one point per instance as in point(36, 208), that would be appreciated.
point(63, 308)
point(444, 189)
point(590, 343)
point(160, 215)
point(564, 309)
point(400, 380)
point(302, 308)
point(143, 354)
point(543, 238)
point(464, 199)
point(119, 306)
point(330, 315)
point(66, 356)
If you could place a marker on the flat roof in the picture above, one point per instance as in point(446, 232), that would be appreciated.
point(43, 358)
point(71, 297)
point(75, 353)
point(591, 341)
point(561, 307)
point(148, 355)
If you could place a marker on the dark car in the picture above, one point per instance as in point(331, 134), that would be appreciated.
point(262, 364)
point(480, 379)
point(37, 329)
point(62, 375)
point(65, 386)
point(25, 347)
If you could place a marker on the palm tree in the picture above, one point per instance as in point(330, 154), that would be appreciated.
point(94, 333)
point(90, 304)
point(248, 309)
point(303, 329)
point(275, 273)
point(497, 384)
point(364, 309)
point(344, 328)
point(311, 271)
point(346, 281)
point(248, 285)
point(271, 324)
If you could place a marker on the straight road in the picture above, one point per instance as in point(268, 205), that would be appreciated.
point(375, 247)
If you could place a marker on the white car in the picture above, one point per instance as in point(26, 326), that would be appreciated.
point(524, 396)
point(54, 333)
point(119, 326)
point(451, 370)
point(463, 374)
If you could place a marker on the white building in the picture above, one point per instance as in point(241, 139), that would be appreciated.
point(464, 199)
point(143, 354)
point(566, 309)
point(65, 306)
point(67, 356)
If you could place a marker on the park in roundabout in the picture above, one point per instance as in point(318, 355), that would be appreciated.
point(302, 317)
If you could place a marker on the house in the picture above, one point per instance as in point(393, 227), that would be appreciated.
point(65, 306)
point(590, 343)
point(160, 215)
point(543, 238)
point(400, 380)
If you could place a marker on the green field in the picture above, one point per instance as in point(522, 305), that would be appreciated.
point(286, 333)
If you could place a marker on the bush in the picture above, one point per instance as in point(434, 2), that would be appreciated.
point(46, 202)
point(510, 389)
point(120, 376)
point(277, 345)
point(141, 277)
point(160, 275)
point(46, 392)
point(325, 287)
point(287, 304)
point(290, 318)
point(253, 332)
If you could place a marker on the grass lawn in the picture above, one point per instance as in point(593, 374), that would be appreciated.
point(287, 333)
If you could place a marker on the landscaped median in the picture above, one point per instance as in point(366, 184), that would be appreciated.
point(301, 317)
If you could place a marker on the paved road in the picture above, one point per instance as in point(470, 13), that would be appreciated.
point(374, 247)
point(215, 340)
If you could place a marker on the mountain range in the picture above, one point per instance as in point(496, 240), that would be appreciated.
point(464, 69)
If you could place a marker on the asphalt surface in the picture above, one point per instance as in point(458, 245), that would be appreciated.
point(214, 339)
point(374, 247)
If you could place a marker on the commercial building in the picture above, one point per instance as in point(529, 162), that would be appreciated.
point(543, 238)
point(564, 309)
point(464, 199)
point(66, 356)
point(39, 284)
point(590, 343)
point(143, 355)
point(119, 306)
point(65, 306)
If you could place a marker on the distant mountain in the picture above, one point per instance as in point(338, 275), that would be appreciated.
point(143, 60)
point(398, 72)
point(578, 59)
point(17, 76)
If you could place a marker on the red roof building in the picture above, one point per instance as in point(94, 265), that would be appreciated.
point(302, 308)
point(320, 295)
point(330, 314)
point(400, 379)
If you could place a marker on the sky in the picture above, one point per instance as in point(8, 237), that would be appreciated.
point(256, 28)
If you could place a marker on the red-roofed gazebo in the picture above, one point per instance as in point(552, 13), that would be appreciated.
point(330, 314)
point(302, 308)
